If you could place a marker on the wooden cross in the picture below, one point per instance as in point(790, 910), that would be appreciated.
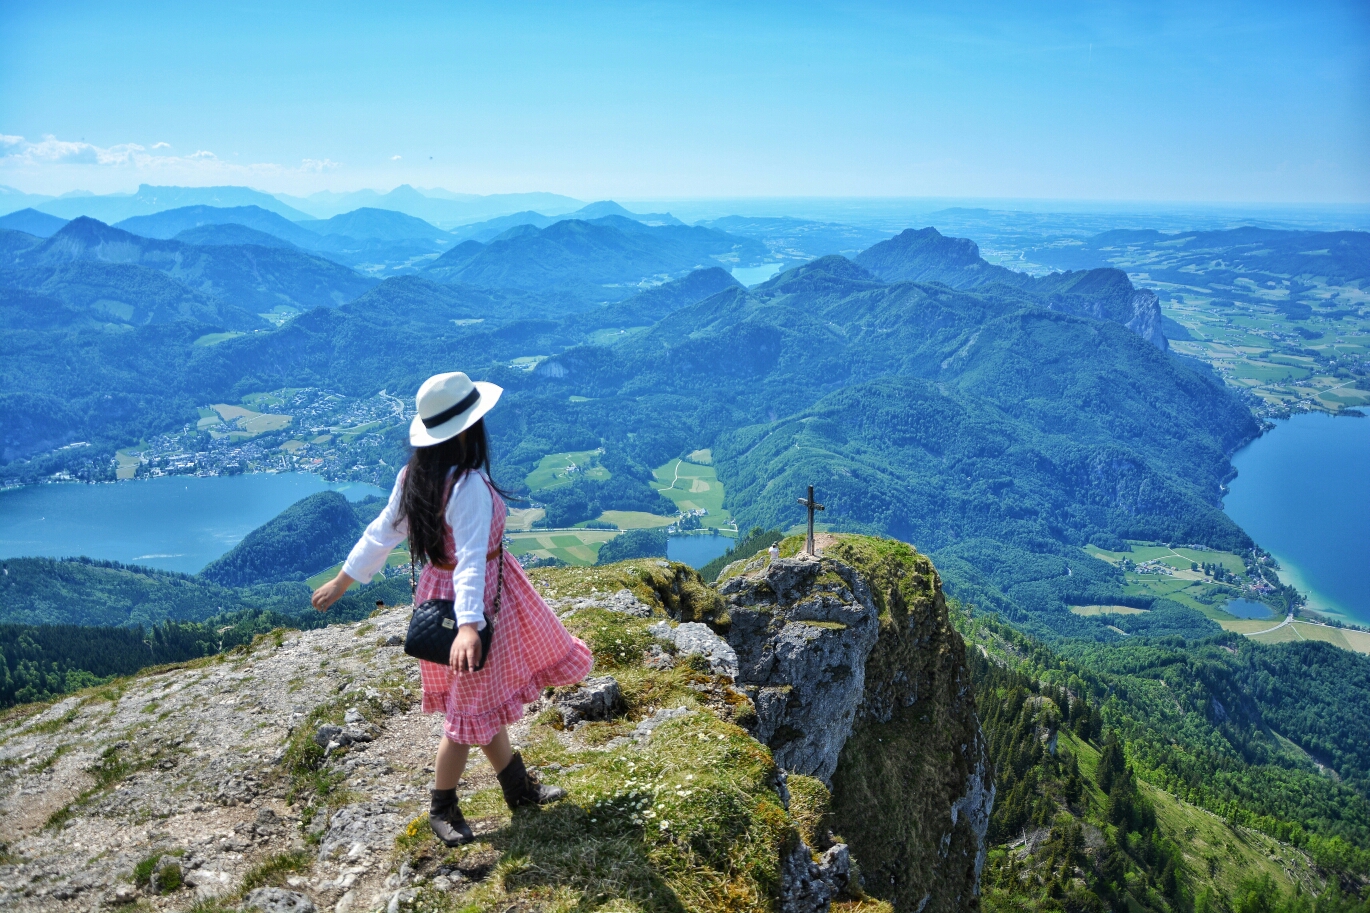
point(812, 505)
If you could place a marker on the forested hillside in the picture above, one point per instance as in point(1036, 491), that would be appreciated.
point(1124, 779)
point(310, 535)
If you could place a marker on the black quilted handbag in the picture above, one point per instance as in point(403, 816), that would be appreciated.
point(433, 627)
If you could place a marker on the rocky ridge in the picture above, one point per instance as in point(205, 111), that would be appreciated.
point(292, 775)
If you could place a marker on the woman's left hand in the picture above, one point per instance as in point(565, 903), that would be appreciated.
point(331, 592)
point(465, 655)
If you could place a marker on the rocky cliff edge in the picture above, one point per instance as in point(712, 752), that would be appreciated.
point(292, 775)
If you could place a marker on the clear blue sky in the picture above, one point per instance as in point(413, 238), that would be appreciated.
point(1149, 101)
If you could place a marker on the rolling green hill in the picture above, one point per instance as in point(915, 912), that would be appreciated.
point(310, 535)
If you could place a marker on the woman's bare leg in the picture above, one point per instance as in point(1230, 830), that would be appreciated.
point(450, 763)
point(498, 751)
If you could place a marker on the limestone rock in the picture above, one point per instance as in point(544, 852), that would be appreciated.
point(810, 887)
point(802, 630)
point(693, 638)
point(622, 601)
point(278, 900)
point(596, 698)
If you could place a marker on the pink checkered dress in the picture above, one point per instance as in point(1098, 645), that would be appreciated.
point(531, 650)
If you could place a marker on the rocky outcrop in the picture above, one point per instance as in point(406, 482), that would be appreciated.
point(802, 629)
point(859, 679)
point(293, 774)
point(1146, 318)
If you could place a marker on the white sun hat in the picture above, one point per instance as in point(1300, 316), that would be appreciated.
point(448, 404)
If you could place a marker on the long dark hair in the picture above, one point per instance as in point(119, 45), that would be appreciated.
point(423, 502)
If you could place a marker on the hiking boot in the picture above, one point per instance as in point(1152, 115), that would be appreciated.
point(446, 819)
point(522, 788)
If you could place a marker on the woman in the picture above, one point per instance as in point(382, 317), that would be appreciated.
point(451, 512)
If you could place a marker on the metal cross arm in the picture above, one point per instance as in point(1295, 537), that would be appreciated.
point(812, 505)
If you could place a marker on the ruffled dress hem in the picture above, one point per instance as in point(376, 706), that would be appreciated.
point(480, 728)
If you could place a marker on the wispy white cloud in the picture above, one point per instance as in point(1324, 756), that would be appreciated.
point(18, 153)
point(394, 158)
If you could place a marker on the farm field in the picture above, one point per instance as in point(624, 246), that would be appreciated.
point(693, 486)
point(249, 423)
point(574, 546)
point(558, 469)
point(213, 339)
point(635, 519)
point(1096, 610)
point(521, 519)
point(1187, 587)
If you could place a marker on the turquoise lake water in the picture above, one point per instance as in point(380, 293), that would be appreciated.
point(697, 551)
point(1303, 493)
point(755, 275)
point(175, 523)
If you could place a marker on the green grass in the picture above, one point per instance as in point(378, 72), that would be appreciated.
point(555, 469)
point(1096, 610)
point(635, 519)
point(691, 486)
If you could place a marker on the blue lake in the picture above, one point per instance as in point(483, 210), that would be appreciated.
point(1303, 493)
point(176, 523)
point(1245, 608)
point(755, 275)
point(697, 551)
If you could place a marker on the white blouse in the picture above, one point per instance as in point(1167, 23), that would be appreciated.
point(469, 511)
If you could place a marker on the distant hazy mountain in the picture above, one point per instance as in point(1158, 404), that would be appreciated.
point(256, 278)
point(925, 255)
point(493, 228)
point(439, 207)
point(606, 259)
point(378, 224)
point(36, 223)
point(230, 236)
point(116, 207)
point(170, 223)
point(12, 200)
point(610, 208)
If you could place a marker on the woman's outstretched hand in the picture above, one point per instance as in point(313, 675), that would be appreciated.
point(465, 655)
point(331, 591)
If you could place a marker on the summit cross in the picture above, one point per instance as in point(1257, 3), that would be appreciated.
point(812, 505)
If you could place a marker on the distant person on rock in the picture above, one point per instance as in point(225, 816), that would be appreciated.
point(453, 516)
point(774, 552)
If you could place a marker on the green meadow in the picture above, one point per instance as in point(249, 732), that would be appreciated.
point(558, 469)
point(1187, 587)
point(574, 546)
point(691, 486)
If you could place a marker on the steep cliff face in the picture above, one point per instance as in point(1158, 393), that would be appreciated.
point(860, 680)
point(293, 774)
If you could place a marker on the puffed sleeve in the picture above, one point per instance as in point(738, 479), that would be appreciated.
point(469, 512)
point(380, 538)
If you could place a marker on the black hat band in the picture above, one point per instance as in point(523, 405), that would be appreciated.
point(447, 415)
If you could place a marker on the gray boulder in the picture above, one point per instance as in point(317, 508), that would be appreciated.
point(809, 887)
point(278, 900)
point(597, 698)
point(693, 638)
